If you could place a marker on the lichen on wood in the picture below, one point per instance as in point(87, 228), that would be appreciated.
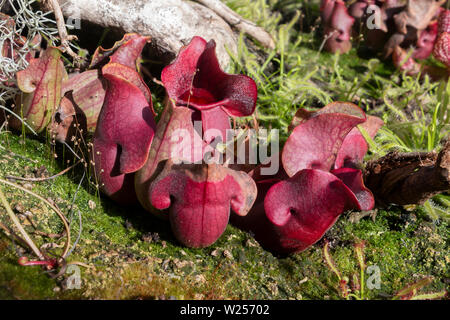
point(170, 23)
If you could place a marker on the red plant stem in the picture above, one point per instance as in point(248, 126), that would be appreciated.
point(50, 264)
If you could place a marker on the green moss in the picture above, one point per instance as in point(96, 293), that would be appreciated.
point(404, 248)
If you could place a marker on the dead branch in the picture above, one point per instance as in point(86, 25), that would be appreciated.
point(42, 179)
point(61, 25)
point(409, 178)
point(240, 23)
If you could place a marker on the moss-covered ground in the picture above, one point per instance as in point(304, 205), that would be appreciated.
point(135, 255)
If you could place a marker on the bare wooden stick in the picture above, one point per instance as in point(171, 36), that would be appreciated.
point(22, 231)
point(52, 206)
point(239, 23)
point(82, 264)
point(409, 178)
point(149, 74)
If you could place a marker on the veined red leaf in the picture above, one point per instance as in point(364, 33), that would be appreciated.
point(353, 179)
point(123, 137)
point(176, 137)
point(337, 25)
point(444, 21)
point(69, 120)
point(130, 75)
point(404, 62)
point(200, 197)
point(125, 51)
point(195, 79)
point(88, 91)
point(441, 50)
point(305, 206)
point(315, 143)
point(291, 215)
point(354, 147)
point(425, 41)
point(41, 84)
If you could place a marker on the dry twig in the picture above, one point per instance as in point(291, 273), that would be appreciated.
point(42, 179)
point(22, 231)
point(65, 37)
point(52, 206)
point(240, 23)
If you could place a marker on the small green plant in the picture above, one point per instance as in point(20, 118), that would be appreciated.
point(357, 288)
point(411, 292)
